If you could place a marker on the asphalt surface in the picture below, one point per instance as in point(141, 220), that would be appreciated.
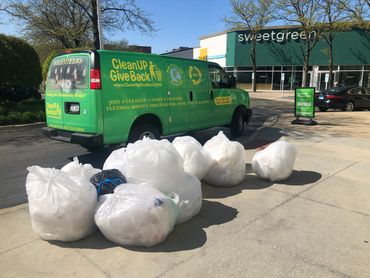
point(21, 147)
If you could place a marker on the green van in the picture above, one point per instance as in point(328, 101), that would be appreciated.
point(94, 98)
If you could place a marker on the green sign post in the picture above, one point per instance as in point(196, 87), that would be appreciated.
point(304, 106)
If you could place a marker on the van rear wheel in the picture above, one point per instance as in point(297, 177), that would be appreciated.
point(237, 123)
point(141, 130)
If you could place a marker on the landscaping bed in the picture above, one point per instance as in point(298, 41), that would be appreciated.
point(24, 112)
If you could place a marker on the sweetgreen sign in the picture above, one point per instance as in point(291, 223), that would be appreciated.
point(304, 102)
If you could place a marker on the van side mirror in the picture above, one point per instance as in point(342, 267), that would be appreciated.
point(232, 81)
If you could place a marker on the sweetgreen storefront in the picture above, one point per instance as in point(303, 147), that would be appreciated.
point(280, 58)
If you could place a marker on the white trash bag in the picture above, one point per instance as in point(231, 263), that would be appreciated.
point(136, 215)
point(77, 169)
point(60, 208)
point(196, 161)
point(153, 162)
point(189, 191)
point(275, 162)
point(115, 160)
point(228, 157)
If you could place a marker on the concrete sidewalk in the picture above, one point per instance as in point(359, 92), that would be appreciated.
point(315, 224)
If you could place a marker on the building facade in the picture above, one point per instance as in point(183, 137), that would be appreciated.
point(279, 55)
point(181, 52)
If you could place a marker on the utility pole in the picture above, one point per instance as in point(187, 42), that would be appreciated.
point(98, 9)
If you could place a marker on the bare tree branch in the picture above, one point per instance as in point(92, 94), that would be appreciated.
point(253, 16)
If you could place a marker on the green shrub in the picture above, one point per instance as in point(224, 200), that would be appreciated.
point(24, 112)
point(19, 62)
point(41, 117)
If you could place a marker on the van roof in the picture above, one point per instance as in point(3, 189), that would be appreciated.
point(95, 52)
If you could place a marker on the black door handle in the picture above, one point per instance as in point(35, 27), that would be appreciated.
point(191, 95)
point(211, 94)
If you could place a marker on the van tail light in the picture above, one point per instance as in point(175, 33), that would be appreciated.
point(333, 97)
point(95, 82)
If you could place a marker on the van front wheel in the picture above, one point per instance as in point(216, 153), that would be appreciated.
point(141, 130)
point(237, 123)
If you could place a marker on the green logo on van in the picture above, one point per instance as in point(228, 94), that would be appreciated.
point(195, 75)
point(176, 74)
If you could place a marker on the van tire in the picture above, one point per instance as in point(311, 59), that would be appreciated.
point(141, 130)
point(237, 123)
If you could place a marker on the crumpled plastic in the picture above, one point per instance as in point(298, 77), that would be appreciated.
point(228, 166)
point(136, 215)
point(61, 205)
point(196, 161)
point(275, 162)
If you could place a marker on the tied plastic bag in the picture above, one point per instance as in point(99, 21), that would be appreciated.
point(115, 160)
point(228, 166)
point(60, 208)
point(75, 168)
point(189, 191)
point(275, 162)
point(156, 163)
point(107, 180)
point(136, 215)
point(196, 161)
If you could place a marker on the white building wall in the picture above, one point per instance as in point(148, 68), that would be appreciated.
point(216, 49)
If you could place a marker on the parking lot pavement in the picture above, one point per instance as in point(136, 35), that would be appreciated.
point(314, 224)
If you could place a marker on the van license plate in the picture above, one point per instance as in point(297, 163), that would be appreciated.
point(74, 108)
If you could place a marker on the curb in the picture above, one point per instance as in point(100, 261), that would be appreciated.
point(23, 125)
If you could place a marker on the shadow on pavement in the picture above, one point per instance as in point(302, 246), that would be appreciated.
point(187, 236)
point(265, 136)
point(252, 182)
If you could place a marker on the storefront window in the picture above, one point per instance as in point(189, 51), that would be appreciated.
point(350, 68)
point(244, 77)
point(349, 78)
point(263, 80)
point(366, 79)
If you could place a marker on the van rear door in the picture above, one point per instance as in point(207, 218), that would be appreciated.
point(70, 103)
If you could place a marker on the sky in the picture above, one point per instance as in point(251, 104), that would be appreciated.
point(179, 23)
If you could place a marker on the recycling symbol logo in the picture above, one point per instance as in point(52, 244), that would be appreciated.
point(195, 75)
point(175, 74)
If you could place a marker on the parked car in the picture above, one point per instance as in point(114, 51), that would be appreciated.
point(17, 93)
point(346, 98)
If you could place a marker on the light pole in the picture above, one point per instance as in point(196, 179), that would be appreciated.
point(98, 10)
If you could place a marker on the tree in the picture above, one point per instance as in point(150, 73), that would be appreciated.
point(302, 13)
point(121, 45)
point(333, 20)
point(117, 15)
point(253, 16)
point(359, 10)
point(74, 23)
point(52, 22)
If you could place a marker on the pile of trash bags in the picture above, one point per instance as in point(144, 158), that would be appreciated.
point(143, 190)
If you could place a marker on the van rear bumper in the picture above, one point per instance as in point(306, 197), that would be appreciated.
point(83, 139)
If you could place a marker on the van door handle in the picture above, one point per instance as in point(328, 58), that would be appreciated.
point(191, 95)
point(211, 93)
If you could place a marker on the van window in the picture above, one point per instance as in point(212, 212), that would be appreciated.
point(218, 77)
point(68, 73)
